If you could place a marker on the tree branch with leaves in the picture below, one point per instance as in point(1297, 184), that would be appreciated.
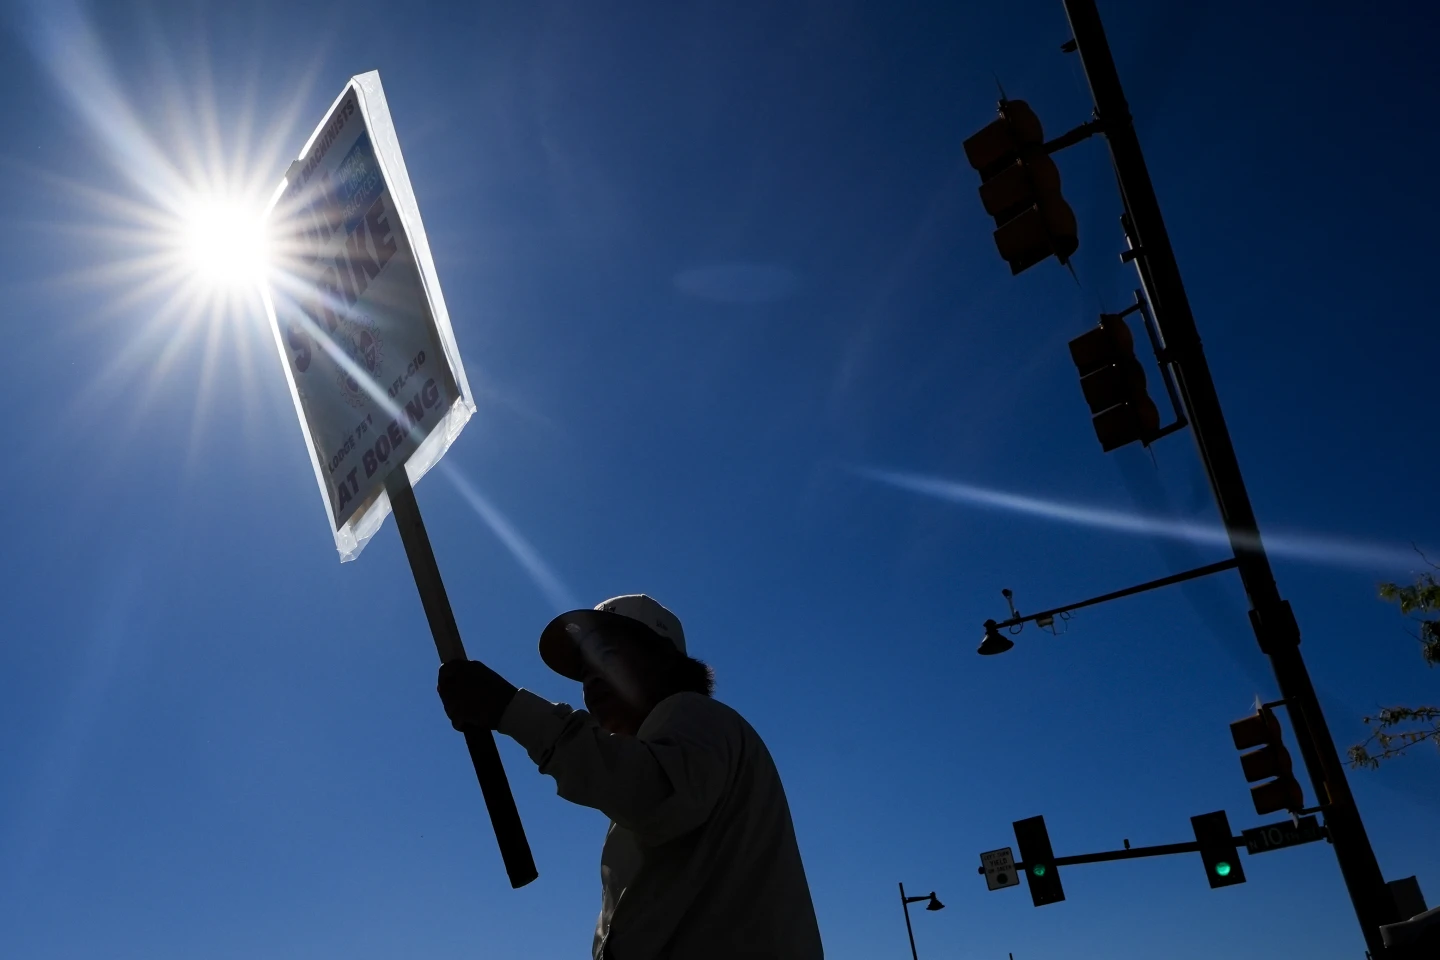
point(1395, 730)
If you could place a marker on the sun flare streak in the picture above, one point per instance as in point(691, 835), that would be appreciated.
point(1330, 551)
point(556, 593)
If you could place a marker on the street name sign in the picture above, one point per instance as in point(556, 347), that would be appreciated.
point(1286, 833)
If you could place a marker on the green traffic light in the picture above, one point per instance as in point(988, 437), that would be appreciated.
point(1039, 869)
point(1222, 868)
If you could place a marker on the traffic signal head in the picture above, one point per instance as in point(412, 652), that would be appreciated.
point(1217, 849)
point(1020, 188)
point(1113, 381)
point(1040, 871)
point(1270, 760)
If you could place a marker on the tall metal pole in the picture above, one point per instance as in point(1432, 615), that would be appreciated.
point(905, 905)
point(1270, 615)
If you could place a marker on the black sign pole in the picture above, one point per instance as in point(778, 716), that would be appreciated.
point(504, 817)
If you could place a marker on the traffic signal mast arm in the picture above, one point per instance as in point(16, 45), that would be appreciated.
point(1068, 139)
point(1159, 850)
point(1219, 853)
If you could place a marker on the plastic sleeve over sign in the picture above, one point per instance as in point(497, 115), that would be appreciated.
point(358, 316)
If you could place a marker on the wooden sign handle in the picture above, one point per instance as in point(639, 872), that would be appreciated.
point(504, 817)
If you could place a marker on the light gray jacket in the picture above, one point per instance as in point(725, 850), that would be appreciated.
point(700, 860)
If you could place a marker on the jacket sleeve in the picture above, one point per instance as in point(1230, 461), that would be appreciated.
point(660, 784)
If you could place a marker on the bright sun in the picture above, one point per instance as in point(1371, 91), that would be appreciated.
point(225, 243)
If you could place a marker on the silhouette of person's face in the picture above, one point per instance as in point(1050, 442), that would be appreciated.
point(623, 678)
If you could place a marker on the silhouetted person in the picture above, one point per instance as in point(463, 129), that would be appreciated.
point(700, 860)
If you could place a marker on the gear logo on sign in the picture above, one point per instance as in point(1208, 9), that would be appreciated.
point(358, 336)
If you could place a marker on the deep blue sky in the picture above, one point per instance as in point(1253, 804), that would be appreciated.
point(216, 741)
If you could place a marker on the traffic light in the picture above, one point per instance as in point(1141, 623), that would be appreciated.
point(1114, 384)
point(1271, 760)
point(1040, 871)
point(1217, 849)
point(1020, 188)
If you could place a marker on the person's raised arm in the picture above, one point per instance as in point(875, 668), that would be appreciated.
point(660, 784)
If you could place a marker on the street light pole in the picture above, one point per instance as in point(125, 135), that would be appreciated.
point(1270, 615)
point(905, 902)
point(905, 905)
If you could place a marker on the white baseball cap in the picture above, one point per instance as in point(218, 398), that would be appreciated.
point(559, 641)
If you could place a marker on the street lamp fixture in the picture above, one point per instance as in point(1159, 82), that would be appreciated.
point(905, 902)
point(994, 642)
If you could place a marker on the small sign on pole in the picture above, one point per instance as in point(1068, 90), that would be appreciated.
point(1277, 836)
point(357, 314)
point(999, 867)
